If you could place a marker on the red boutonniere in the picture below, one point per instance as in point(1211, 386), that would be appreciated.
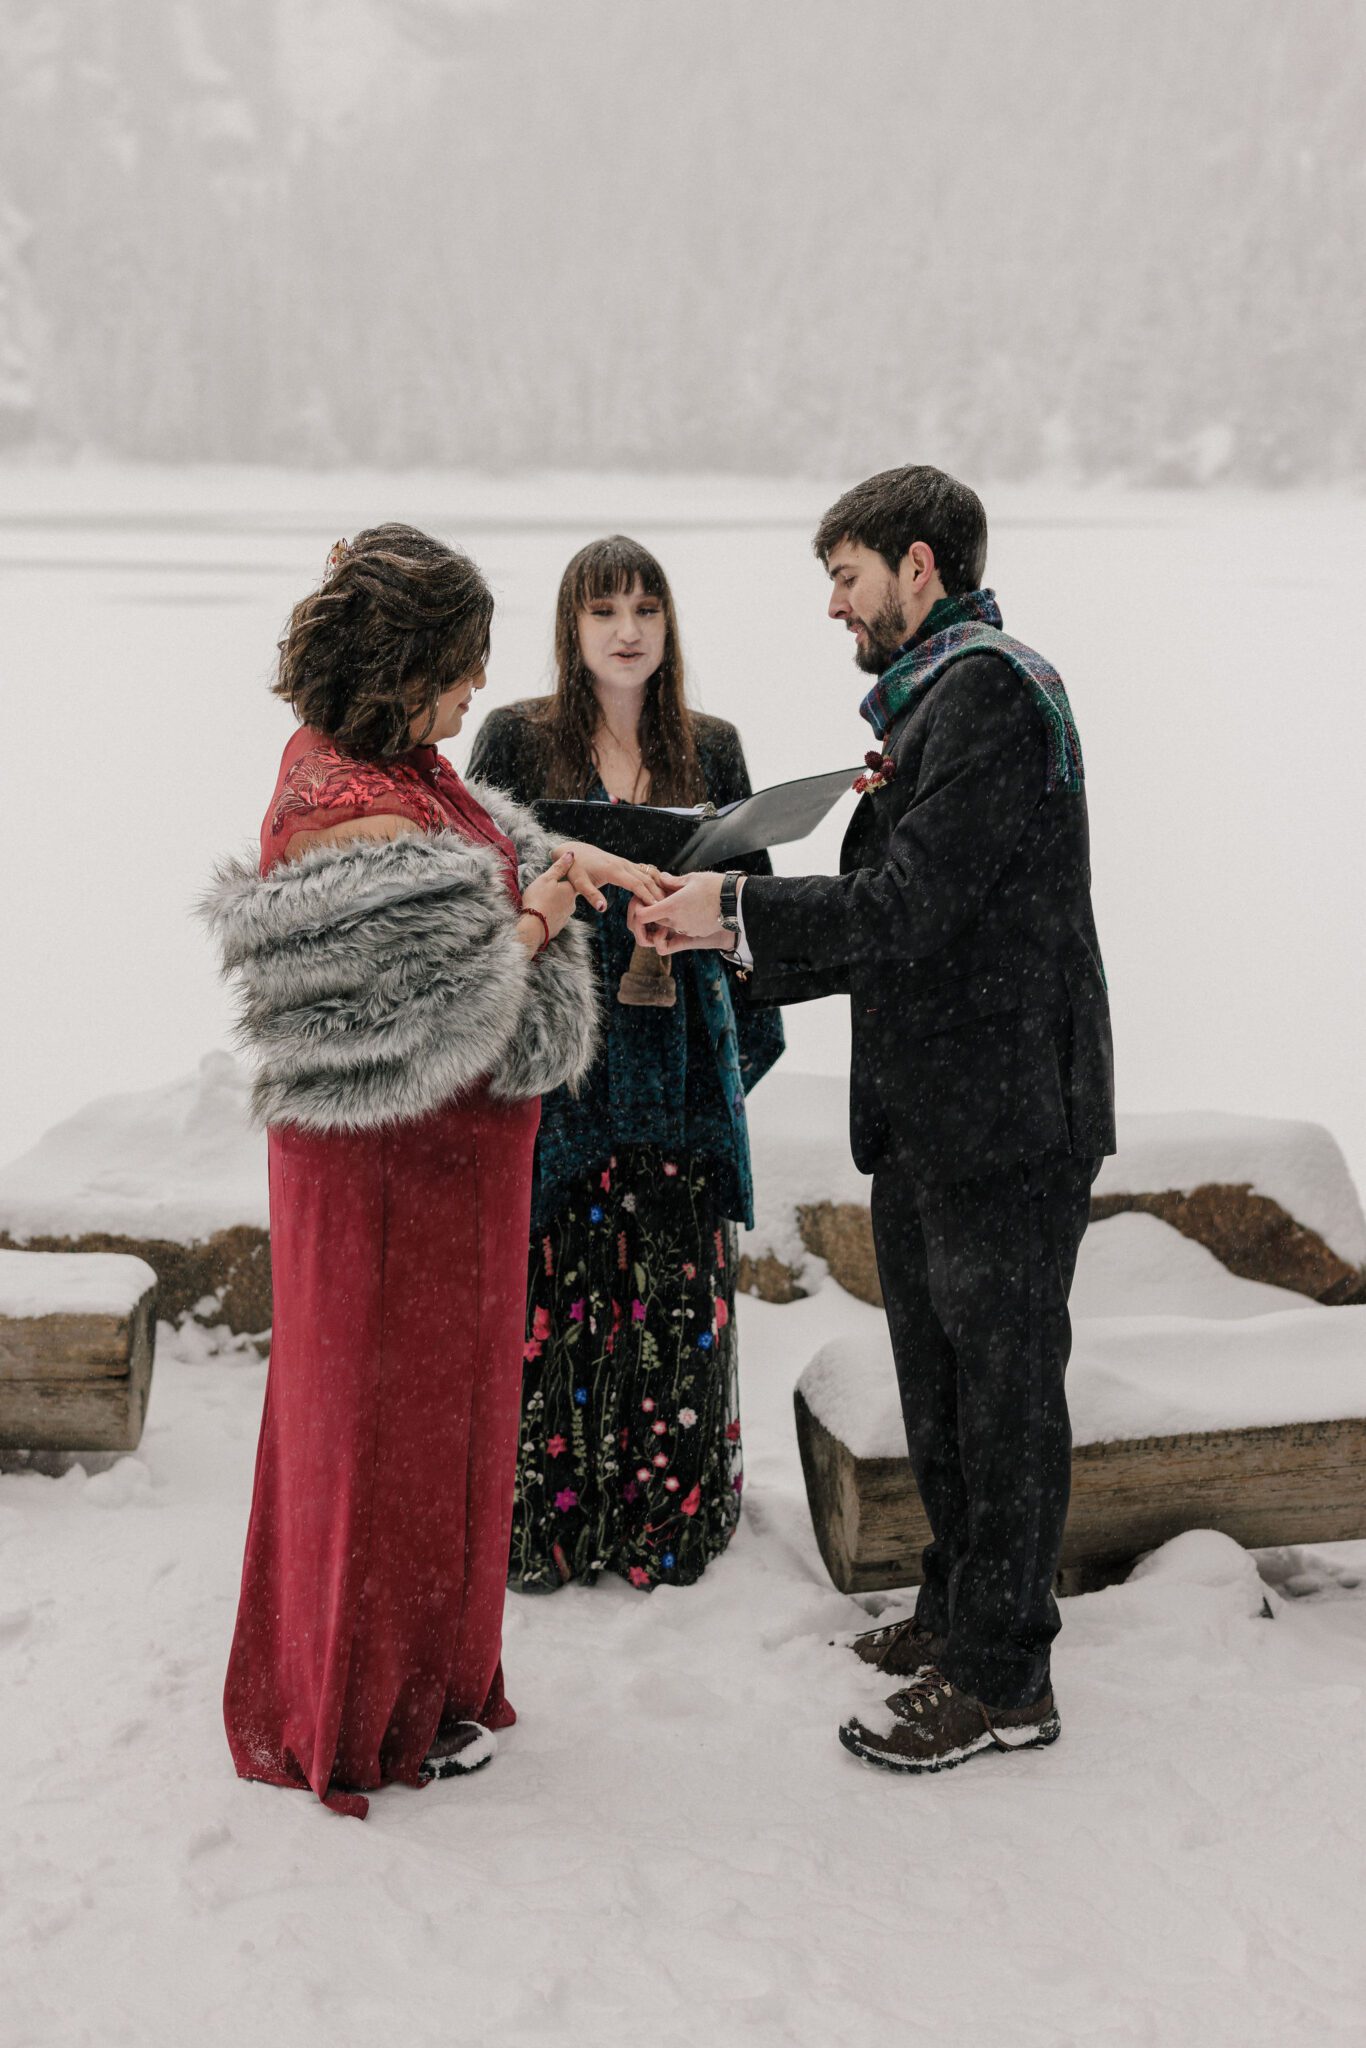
point(881, 769)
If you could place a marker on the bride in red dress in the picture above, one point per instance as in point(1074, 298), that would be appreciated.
point(410, 984)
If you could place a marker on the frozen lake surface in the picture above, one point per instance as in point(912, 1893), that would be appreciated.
point(1211, 659)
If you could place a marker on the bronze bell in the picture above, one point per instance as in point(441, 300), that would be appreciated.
point(648, 983)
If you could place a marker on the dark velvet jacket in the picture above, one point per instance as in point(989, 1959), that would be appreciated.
point(673, 1078)
point(960, 927)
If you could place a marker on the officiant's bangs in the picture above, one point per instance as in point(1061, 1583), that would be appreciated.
point(609, 568)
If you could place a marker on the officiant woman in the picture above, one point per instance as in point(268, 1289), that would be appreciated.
point(412, 981)
point(630, 1457)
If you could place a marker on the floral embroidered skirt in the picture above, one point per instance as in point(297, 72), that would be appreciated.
point(629, 1455)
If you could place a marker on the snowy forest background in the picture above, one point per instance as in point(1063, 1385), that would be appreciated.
point(1072, 238)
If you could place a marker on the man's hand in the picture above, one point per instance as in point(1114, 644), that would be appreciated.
point(688, 917)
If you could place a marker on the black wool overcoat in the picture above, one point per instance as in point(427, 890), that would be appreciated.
point(960, 927)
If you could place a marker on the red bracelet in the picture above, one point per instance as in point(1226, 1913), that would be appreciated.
point(527, 911)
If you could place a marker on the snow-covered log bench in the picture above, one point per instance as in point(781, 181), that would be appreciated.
point(175, 1176)
point(1253, 1424)
point(77, 1333)
point(1273, 1199)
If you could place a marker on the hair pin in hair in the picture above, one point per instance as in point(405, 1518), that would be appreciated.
point(341, 549)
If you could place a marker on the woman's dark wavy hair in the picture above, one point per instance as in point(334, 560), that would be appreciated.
point(400, 618)
point(668, 746)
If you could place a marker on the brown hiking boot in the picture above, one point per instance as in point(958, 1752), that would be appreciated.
point(900, 1649)
point(936, 1726)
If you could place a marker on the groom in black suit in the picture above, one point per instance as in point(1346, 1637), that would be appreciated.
point(981, 1086)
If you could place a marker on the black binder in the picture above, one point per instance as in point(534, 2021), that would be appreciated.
point(686, 842)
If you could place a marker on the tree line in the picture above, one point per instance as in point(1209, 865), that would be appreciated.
point(1069, 237)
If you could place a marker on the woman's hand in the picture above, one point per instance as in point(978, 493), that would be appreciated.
point(552, 896)
point(593, 871)
point(581, 871)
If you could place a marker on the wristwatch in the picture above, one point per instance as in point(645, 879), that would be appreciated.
point(730, 908)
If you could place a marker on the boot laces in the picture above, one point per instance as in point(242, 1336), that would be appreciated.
point(923, 1691)
point(890, 1632)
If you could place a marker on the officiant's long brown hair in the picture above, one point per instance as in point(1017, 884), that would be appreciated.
point(668, 748)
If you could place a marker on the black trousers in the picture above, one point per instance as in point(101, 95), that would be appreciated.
point(976, 1276)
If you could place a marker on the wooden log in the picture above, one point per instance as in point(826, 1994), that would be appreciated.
point(76, 1382)
point(1302, 1482)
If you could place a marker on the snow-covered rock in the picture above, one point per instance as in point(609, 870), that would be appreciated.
point(1137, 1265)
point(799, 1131)
point(1297, 1165)
point(1314, 1239)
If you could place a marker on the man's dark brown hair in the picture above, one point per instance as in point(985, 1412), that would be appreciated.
point(400, 618)
point(889, 511)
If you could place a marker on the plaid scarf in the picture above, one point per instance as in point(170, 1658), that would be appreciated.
point(971, 624)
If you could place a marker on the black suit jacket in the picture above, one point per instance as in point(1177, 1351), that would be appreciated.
point(960, 926)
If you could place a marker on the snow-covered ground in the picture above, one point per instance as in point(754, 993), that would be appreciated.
point(670, 1845)
point(1213, 662)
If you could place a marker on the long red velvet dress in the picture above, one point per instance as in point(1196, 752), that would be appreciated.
point(376, 1561)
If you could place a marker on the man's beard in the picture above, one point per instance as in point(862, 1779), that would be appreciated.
point(886, 630)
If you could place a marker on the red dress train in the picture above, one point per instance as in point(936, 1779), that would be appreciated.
point(376, 1559)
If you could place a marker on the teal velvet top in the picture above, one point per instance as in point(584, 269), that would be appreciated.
point(674, 1078)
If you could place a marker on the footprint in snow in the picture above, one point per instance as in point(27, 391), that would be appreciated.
point(206, 1839)
point(15, 1622)
point(127, 1481)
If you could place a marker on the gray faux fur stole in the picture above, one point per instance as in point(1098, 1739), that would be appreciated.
point(380, 980)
